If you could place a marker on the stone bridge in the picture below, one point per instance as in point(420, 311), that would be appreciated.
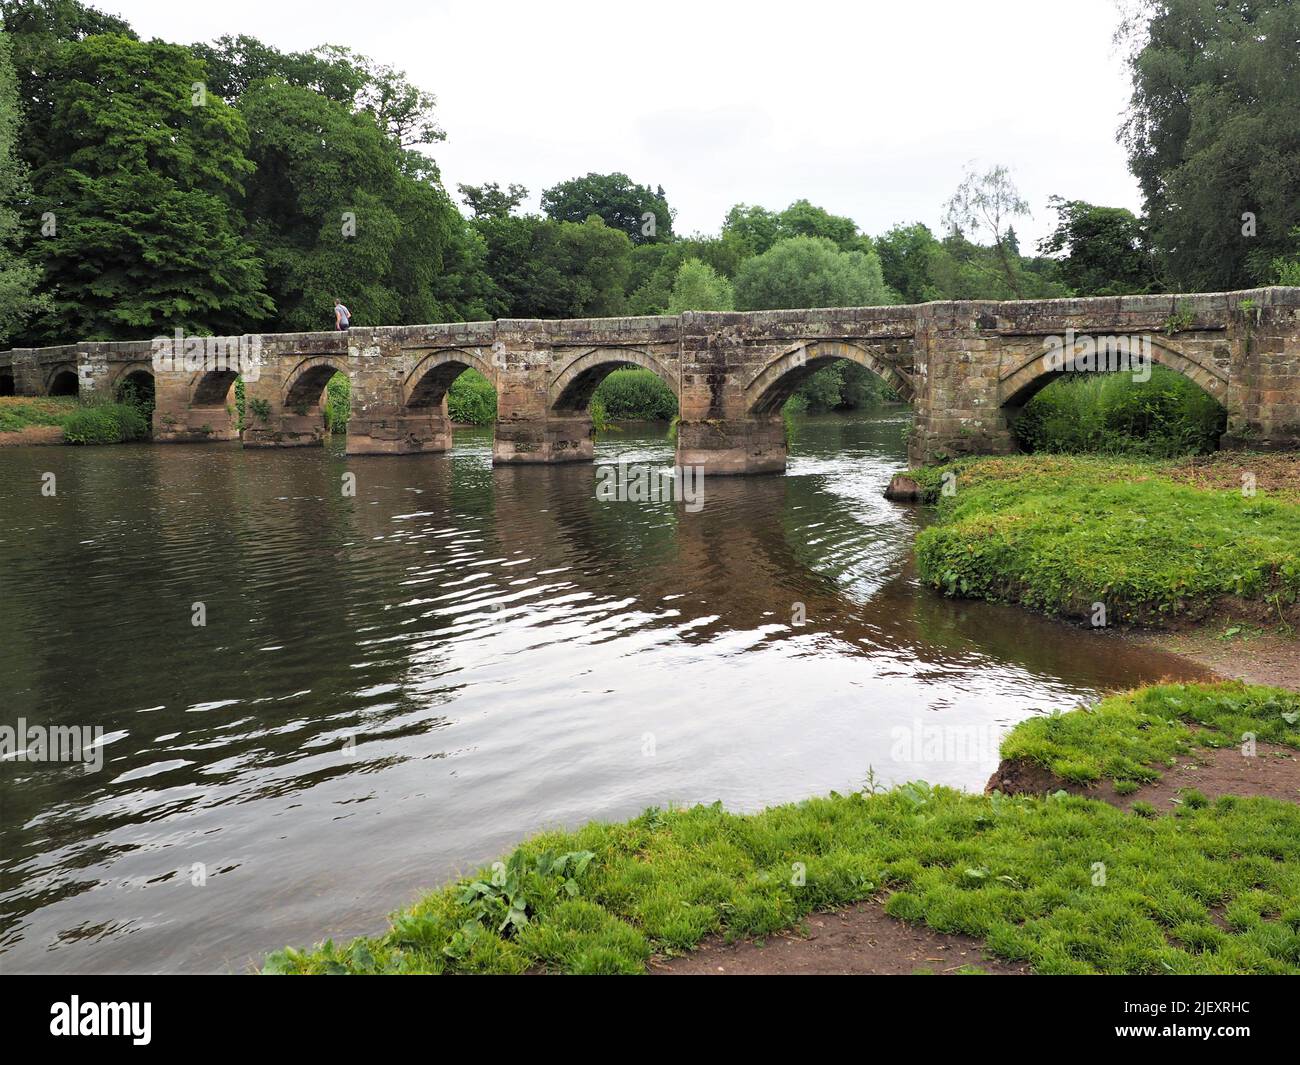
point(966, 367)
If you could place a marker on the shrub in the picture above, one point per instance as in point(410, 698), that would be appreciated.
point(338, 403)
point(636, 394)
point(1112, 414)
point(472, 400)
point(105, 423)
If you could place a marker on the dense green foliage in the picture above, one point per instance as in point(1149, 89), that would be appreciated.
point(1112, 414)
point(810, 272)
point(1062, 534)
point(142, 192)
point(471, 399)
point(337, 406)
point(1213, 133)
point(1105, 251)
point(1015, 871)
point(635, 394)
point(105, 423)
point(18, 278)
point(1129, 738)
point(643, 215)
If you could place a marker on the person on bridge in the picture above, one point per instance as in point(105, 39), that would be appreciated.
point(342, 316)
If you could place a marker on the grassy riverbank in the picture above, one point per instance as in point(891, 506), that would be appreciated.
point(1209, 888)
point(1149, 540)
point(81, 422)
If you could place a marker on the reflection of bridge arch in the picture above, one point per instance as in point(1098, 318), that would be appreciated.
point(429, 379)
point(781, 378)
point(572, 388)
point(305, 383)
point(1021, 385)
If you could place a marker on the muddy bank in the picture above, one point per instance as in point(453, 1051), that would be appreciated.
point(860, 940)
point(1257, 657)
point(32, 435)
point(1273, 772)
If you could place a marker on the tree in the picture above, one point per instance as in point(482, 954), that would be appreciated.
point(541, 268)
point(234, 64)
point(1105, 251)
point(909, 258)
point(337, 210)
point(700, 288)
point(37, 30)
point(986, 203)
point(1213, 135)
point(18, 279)
point(488, 201)
point(640, 213)
point(803, 219)
point(811, 272)
point(143, 190)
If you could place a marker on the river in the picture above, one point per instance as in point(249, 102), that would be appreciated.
point(391, 687)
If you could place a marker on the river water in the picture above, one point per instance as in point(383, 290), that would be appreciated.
point(392, 687)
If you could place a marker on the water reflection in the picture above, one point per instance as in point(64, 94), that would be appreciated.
point(393, 687)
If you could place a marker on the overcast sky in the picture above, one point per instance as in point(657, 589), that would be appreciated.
point(869, 109)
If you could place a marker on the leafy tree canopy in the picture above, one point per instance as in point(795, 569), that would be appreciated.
point(1213, 134)
point(811, 272)
point(642, 214)
point(144, 190)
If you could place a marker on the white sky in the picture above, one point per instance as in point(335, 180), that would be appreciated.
point(869, 109)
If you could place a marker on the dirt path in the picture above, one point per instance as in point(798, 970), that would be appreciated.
point(861, 940)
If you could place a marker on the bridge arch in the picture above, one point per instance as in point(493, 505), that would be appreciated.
point(427, 383)
point(306, 381)
point(1021, 385)
point(210, 388)
point(781, 378)
point(572, 388)
point(63, 381)
point(8, 383)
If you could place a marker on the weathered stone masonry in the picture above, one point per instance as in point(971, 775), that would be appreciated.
point(967, 367)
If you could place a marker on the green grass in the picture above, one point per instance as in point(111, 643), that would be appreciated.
point(82, 421)
point(19, 412)
point(1127, 738)
point(1059, 534)
point(1021, 873)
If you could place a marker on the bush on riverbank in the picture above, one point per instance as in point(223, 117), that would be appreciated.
point(1126, 737)
point(636, 394)
point(1062, 534)
point(105, 423)
point(338, 403)
point(1112, 414)
point(1014, 871)
point(472, 400)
